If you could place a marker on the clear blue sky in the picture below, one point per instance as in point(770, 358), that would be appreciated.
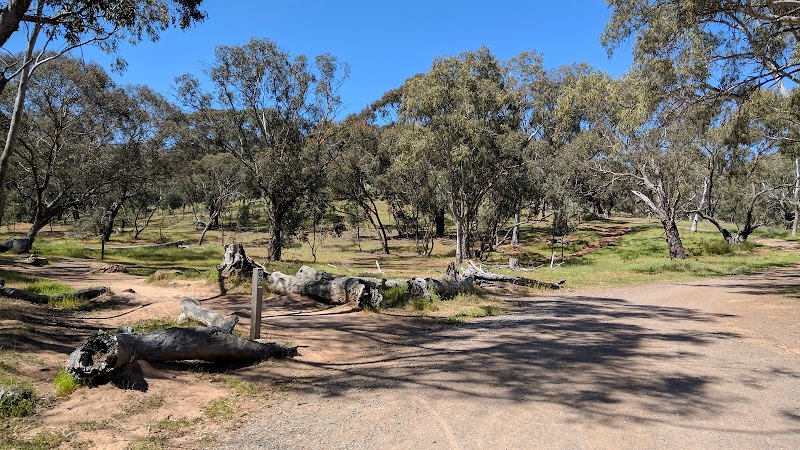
point(383, 42)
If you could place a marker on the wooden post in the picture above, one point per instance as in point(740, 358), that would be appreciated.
point(255, 305)
point(102, 248)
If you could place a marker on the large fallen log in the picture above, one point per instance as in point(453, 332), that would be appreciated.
point(179, 243)
point(191, 310)
point(28, 296)
point(104, 355)
point(17, 245)
point(478, 274)
point(326, 287)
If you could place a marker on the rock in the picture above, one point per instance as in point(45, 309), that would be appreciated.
point(107, 268)
point(129, 291)
point(36, 261)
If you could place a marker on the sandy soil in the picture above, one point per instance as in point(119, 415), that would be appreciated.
point(708, 364)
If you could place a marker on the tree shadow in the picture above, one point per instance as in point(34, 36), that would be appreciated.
point(583, 353)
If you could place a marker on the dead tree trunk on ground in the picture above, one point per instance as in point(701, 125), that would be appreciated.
point(481, 275)
point(191, 310)
point(104, 355)
point(81, 294)
point(326, 287)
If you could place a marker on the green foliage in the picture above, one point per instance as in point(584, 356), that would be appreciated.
point(65, 384)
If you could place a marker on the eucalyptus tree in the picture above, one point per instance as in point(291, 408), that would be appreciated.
point(556, 173)
point(64, 139)
point(217, 180)
point(639, 133)
point(67, 25)
point(411, 183)
point(274, 113)
point(358, 175)
point(143, 123)
point(741, 158)
point(722, 47)
point(463, 119)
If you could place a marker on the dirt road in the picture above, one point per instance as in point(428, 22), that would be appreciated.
point(709, 364)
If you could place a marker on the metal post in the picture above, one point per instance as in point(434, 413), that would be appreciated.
point(255, 305)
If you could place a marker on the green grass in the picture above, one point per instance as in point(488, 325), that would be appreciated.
point(13, 278)
point(475, 312)
point(65, 384)
point(220, 409)
point(145, 404)
point(776, 233)
point(10, 439)
point(147, 325)
point(395, 297)
point(17, 407)
point(72, 303)
point(171, 428)
point(640, 257)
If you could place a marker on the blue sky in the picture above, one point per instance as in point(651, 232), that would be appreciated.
point(383, 42)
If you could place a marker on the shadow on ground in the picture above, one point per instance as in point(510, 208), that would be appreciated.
point(588, 354)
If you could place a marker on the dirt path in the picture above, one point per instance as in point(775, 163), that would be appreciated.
point(710, 364)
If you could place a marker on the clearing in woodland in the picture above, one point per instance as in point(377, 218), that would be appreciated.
point(640, 352)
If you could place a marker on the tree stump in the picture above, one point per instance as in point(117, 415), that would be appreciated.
point(236, 263)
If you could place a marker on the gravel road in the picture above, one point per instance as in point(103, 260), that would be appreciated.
point(708, 364)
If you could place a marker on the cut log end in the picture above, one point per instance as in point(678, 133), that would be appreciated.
point(102, 355)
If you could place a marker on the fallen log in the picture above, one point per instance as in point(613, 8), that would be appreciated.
point(17, 245)
point(21, 294)
point(179, 243)
point(326, 287)
point(27, 296)
point(104, 355)
point(478, 274)
point(191, 310)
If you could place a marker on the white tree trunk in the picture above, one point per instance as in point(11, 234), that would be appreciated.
point(16, 115)
point(796, 203)
point(703, 201)
point(459, 237)
point(515, 231)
